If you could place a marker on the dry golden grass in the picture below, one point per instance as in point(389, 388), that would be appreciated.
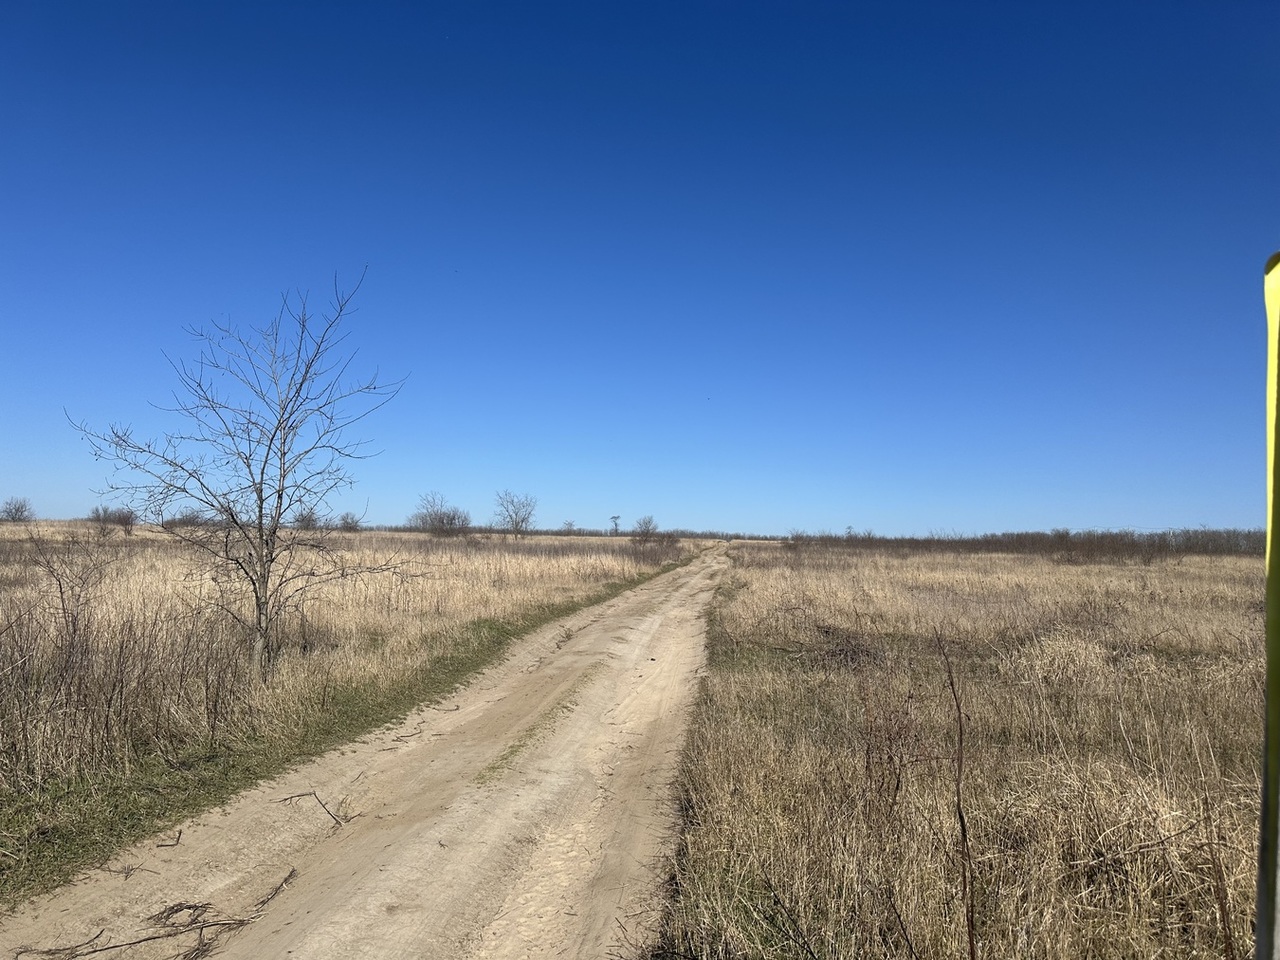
point(1111, 716)
point(121, 680)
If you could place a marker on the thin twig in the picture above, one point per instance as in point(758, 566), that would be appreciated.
point(795, 934)
point(59, 951)
point(127, 870)
point(293, 873)
point(1220, 888)
point(893, 905)
point(1145, 847)
point(165, 917)
point(311, 793)
point(74, 953)
point(966, 857)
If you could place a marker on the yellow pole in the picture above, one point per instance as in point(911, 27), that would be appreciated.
point(1268, 947)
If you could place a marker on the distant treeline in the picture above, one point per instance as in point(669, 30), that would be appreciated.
point(1065, 546)
point(481, 529)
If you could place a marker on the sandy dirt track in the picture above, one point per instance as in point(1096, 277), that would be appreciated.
point(524, 817)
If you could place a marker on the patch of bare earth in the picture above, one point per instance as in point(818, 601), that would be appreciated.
point(523, 817)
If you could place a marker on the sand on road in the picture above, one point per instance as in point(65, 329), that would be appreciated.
point(525, 816)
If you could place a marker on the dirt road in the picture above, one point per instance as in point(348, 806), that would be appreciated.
point(522, 818)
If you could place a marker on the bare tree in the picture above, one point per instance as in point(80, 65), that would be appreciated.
point(614, 520)
point(107, 517)
point(438, 516)
point(513, 512)
point(262, 441)
point(306, 518)
point(645, 532)
point(17, 510)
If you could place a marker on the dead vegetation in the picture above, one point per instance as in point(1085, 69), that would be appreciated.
point(901, 754)
point(194, 930)
point(128, 694)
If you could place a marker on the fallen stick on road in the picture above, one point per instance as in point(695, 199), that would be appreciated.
point(311, 793)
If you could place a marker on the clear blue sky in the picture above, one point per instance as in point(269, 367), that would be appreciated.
point(934, 266)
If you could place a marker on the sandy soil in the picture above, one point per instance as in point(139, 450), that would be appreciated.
point(524, 817)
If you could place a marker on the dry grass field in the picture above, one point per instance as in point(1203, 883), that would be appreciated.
point(931, 754)
point(126, 697)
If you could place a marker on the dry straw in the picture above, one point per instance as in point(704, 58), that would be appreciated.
point(927, 754)
point(122, 673)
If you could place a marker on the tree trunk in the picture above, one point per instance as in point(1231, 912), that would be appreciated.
point(261, 654)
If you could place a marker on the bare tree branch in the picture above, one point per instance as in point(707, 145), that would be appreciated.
point(261, 444)
point(513, 512)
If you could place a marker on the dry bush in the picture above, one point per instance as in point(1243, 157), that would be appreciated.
point(1111, 716)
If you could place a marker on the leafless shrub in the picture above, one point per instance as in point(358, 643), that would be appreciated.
point(74, 567)
point(436, 515)
point(17, 510)
point(645, 531)
point(307, 518)
point(107, 518)
point(513, 512)
point(96, 671)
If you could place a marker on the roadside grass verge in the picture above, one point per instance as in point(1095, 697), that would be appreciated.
point(949, 755)
point(144, 715)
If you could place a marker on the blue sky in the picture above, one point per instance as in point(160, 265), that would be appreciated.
point(953, 267)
